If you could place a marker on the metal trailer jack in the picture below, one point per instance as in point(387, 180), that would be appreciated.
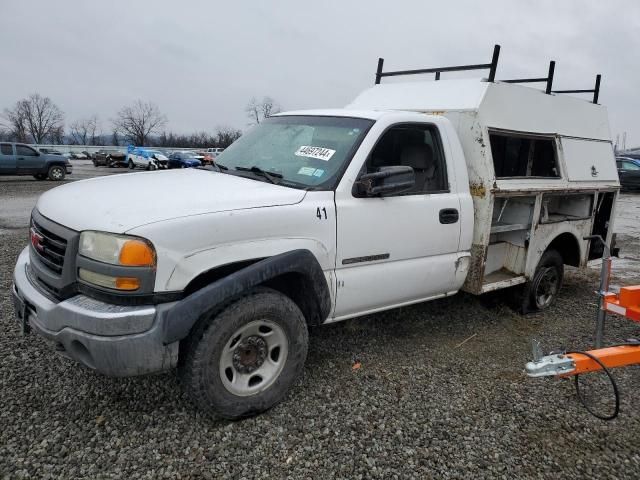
point(572, 364)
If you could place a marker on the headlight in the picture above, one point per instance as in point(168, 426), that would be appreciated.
point(117, 249)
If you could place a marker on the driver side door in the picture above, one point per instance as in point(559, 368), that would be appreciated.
point(27, 160)
point(399, 249)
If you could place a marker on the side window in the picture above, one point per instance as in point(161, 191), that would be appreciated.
point(522, 156)
point(630, 166)
point(415, 146)
point(25, 151)
point(6, 149)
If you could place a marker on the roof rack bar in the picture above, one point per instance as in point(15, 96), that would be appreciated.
point(379, 70)
point(548, 79)
point(525, 80)
point(457, 68)
point(494, 63)
point(552, 69)
point(595, 90)
point(591, 90)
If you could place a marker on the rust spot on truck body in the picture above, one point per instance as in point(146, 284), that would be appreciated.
point(477, 190)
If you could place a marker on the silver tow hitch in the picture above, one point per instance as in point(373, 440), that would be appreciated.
point(548, 365)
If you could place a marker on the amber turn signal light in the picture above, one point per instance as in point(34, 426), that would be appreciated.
point(136, 253)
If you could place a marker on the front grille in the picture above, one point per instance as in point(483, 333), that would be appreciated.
point(49, 247)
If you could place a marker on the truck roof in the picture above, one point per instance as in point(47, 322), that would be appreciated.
point(498, 105)
point(336, 112)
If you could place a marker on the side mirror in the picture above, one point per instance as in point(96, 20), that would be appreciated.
point(386, 181)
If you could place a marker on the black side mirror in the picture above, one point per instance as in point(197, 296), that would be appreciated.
point(386, 181)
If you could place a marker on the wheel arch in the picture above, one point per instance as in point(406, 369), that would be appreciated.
point(296, 274)
point(568, 246)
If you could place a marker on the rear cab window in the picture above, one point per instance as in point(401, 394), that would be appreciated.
point(6, 149)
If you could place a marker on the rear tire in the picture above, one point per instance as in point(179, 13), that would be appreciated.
point(541, 292)
point(131, 165)
point(243, 360)
point(56, 173)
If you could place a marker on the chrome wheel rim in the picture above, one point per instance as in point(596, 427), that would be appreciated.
point(546, 288)
point(253, 358)
point(56, 173)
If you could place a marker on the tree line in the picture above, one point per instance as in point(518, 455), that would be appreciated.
point(37, 119)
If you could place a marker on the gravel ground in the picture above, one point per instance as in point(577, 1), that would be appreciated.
point(419, 406)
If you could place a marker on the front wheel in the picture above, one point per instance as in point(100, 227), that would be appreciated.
point(40, 176)
point(243, 360)
point(56, 173)
point(131, 165)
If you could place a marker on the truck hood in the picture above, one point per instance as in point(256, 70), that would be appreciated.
point(118, 203)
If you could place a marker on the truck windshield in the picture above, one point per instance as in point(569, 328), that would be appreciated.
point(307, 151)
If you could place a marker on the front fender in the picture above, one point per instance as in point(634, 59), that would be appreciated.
point(178, 321)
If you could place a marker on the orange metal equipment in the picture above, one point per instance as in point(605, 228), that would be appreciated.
point(611, 357)
point(571, 364)
point(626, 303)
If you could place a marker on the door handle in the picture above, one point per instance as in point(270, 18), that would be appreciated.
point(449, 215)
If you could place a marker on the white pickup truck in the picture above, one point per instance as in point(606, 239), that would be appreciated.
point(411, 193)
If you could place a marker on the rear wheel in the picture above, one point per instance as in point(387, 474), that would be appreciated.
point(540, 293)
point(131, 165)
point(56, 173)
point(244, 360)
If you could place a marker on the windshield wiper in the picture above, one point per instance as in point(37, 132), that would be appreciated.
point(271, 176)
point(219, 166)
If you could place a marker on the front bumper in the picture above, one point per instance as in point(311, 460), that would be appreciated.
point(111, 339)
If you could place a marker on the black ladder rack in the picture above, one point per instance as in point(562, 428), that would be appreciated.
point(492, 67)
point(457, 68)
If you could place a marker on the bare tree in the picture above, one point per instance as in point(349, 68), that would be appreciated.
point(36, 117)
point(83, 132)
point(139, 120)
point(225, 136)
point(259, 110)
point(269, 107)
point(253, 111)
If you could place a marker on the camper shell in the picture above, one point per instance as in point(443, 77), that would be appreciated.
point(541, 170)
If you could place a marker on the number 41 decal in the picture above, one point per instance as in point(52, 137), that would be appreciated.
point(319, 213)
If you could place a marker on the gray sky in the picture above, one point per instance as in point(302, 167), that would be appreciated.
point(201, 61)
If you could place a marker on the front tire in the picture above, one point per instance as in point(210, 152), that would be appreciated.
point(56, 173)
point(131, 165)
point(243, 360)
point(40, 176)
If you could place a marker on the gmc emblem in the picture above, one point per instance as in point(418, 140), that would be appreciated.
point(36, 240)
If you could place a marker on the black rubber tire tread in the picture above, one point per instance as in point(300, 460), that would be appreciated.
point(549, 258)
point(56, 179)
point(200, 354)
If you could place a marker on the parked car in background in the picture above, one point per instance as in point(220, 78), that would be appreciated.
point(79, 155)
point(21, 159)
point(142, 157)
point(205, 157)
point(183, 160)
point(50, 151)
point(629, 172)
point(215, 151)
point(110, 158)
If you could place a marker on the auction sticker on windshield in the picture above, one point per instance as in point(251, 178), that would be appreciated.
point(319, 153)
